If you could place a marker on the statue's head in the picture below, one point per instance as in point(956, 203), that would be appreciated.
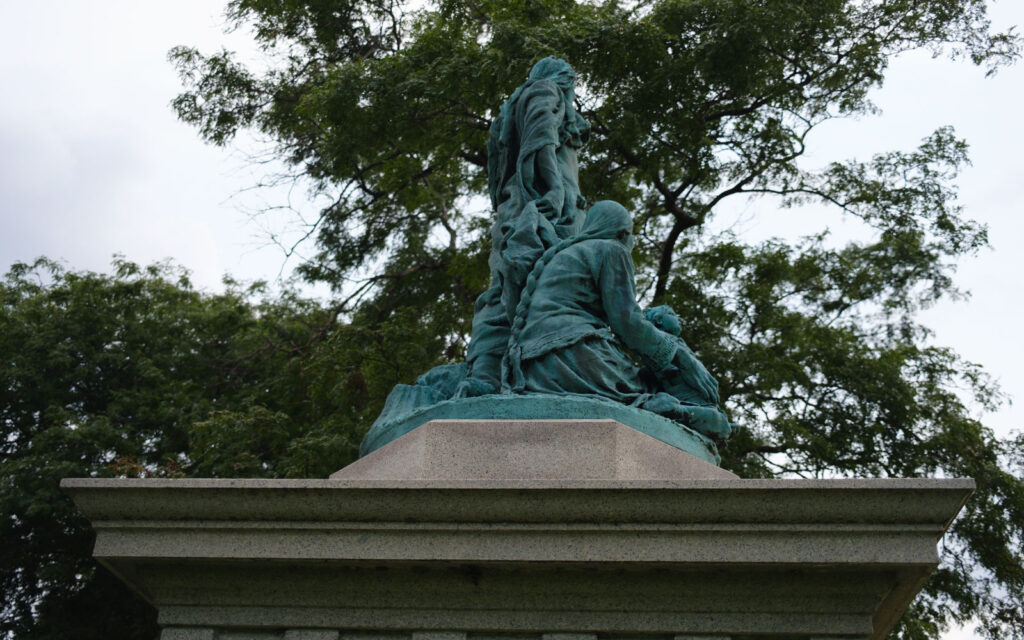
point(665, 318)
point(555, 69)
point(609, 219)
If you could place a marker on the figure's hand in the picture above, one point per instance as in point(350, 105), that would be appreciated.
point(551, 203)
point(665, 405)
point(546, 207)
point(708, 421)
point(698, 375)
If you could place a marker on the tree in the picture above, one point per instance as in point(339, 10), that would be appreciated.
point(138, 374)
point(693, 102)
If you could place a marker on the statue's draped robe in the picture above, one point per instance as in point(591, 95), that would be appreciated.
point(582, 313)
point(531, 161)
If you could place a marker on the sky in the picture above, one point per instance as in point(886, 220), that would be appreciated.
point(94, 163)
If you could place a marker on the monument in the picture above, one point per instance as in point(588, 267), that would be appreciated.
point(559, 333)
point(561, 484)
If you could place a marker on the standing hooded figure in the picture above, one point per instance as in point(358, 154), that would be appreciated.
point(533, 182)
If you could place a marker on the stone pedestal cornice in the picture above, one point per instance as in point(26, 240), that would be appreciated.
point(783, 558)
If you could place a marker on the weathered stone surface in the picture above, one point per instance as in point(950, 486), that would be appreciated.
point(529, 450)
point(824, 558)
point(188, 633)
point(311, 634)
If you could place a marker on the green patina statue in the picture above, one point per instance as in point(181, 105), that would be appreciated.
point(532, 176)
point(560, 319)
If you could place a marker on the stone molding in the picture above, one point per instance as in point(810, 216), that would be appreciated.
point(797, 558)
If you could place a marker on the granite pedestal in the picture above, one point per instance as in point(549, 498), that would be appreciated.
point(424, 540)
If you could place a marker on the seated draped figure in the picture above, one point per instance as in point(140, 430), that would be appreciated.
point(578, 328)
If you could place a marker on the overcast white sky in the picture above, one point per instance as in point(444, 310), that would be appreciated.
point(93, 161)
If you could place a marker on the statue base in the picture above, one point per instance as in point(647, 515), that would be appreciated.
point(466, 451)
point(541, 407)
point(466, 545)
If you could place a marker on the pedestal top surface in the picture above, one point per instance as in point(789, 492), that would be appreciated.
point(529, 450)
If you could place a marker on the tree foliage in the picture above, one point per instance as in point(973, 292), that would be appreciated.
point(385, 106)
point(138, 374)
